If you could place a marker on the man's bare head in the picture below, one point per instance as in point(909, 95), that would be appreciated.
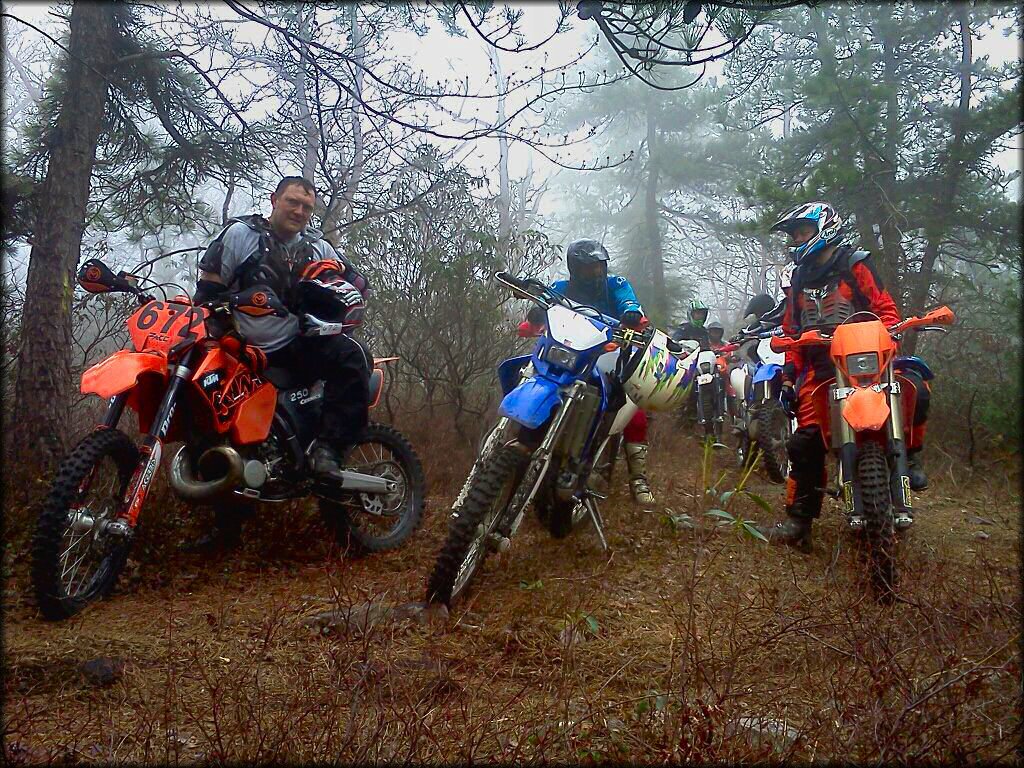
point(292, 204)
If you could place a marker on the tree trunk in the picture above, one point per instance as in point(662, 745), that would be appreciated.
point(43, 385)
point(653, 257)
point(311, 134)
point(342, 205)
point(504, 185)
point(944, 203)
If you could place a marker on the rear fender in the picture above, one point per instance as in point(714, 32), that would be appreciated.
point(916, 364)
point(531, 403)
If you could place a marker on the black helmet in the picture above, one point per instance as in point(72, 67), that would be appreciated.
point(585, 252)
point(582, 252)
point(759, 306)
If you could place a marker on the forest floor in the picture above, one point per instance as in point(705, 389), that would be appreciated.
point(676, 644)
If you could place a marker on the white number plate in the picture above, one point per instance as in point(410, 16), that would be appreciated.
point(705, 378)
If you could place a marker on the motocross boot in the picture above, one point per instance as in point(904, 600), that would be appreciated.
point(325, 460)
point(804, 505)
point(636, 460)
point(795, 531)
point(918, 478)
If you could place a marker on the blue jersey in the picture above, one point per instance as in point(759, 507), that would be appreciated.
point(618, 296)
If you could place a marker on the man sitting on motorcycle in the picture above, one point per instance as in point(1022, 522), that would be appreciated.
point(299, 267)
point(612, 295)
point(831, 281)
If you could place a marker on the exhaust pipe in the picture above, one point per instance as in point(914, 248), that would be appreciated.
point(188, 486)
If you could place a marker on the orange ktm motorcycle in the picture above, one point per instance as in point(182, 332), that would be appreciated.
point(246, 431)
point(866, 412)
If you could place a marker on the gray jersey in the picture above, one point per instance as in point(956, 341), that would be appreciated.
point(241, 243)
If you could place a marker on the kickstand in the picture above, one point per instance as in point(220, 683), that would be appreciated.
point(595, 517)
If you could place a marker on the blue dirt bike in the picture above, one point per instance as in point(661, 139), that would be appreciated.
point(562, 403)
point(761, 420)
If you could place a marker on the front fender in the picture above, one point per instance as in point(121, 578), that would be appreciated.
point(121, 371)
point(531, 402)
point(508, 372)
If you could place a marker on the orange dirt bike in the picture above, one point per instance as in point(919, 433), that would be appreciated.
point(246, 432)
point(866, 413)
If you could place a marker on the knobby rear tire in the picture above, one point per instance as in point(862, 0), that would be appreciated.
point(343, 519)
point(494, 485)
point(51, 592)
point(772, 431)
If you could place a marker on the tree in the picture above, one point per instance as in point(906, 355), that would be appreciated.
point(122, 138)
point(435, 304)
point(895, 121)
point(43, 381)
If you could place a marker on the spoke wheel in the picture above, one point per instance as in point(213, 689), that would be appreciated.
point(773, 429)
point(75, 557)
point(466, 546)
point(375, 522)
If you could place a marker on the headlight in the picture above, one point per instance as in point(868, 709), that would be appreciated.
point(863, 364)
point(559, 356)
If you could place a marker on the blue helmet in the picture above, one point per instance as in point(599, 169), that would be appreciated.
point(823, 217)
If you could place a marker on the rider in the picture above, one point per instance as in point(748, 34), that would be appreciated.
point(693, 329)
point(280, 252)
point(716, 335)
point(831, 281)
point(590, 283)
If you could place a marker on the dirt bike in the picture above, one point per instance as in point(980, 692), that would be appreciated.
point(761, 421)
point(246, 431)
point(865, 412)
point(562, 407)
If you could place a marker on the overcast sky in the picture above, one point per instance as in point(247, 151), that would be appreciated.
point(442, 56)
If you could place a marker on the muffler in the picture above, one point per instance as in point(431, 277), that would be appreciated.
point(222, 460)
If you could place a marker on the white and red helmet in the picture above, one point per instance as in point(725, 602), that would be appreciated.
point(819, 214)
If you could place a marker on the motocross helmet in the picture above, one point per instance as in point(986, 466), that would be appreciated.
point(579, 256)
point(326, 294)
point(759, 306)
point(822, 217)
point(716, 332)
point(698, 312)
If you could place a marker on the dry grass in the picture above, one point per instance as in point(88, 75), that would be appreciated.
point(695, 629)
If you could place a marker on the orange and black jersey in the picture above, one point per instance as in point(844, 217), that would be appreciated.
point(851, 285)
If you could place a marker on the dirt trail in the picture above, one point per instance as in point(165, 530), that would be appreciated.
point(675, 644)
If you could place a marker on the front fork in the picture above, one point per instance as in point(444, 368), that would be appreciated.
point(844, 441)
point(541, 458)
point(152, 447)
point(899, 475)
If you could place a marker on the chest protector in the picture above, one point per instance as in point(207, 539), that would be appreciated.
point(835, 301)
point(275, 264)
